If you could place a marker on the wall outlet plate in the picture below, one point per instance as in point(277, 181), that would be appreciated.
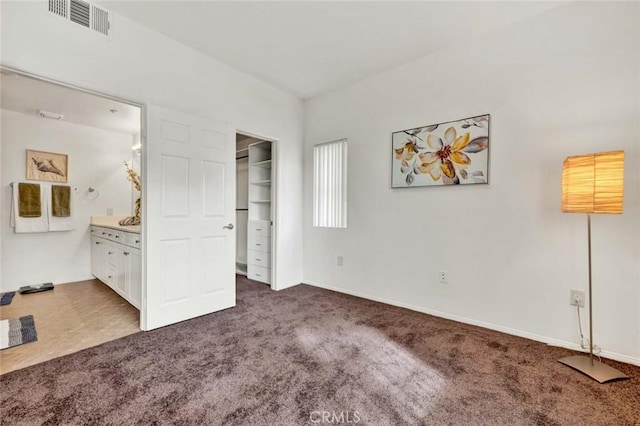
point(340, 261)
point(443, 277)
point(577, 297)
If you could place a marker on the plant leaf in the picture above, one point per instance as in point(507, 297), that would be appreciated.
point(463, 173)
point(431, 128)
point(478, 144)
point(477, 173)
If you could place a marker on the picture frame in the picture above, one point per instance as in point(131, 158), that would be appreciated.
point(47, 166)
point(449, 153)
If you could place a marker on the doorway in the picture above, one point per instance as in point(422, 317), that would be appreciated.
point(83, 145)
point(255, 208)
point(187, 243)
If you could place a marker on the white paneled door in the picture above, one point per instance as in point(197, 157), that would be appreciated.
point(189, 213)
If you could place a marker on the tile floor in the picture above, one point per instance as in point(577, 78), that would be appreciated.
point(69, 318)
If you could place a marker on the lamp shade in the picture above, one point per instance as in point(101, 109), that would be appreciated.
point(593, 183)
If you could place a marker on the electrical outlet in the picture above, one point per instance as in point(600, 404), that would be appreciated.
point(444, 276)
point(109, 212)
point(340, 261)
point(576, 297)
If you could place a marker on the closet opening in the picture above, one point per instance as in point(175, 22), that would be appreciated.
point(70, 202)
point(255, 208)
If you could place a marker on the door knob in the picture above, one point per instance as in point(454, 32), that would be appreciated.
point(229, 226)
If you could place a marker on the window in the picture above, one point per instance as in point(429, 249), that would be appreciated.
point(330, 184)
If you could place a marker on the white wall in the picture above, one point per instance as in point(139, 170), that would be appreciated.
point(140, 64)
point(95, 160)
point(561, 84)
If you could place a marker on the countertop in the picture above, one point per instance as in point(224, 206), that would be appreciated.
point(111, 222)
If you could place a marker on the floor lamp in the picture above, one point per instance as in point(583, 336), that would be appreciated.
point(593, 183)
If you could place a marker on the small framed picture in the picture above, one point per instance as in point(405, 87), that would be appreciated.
point(47, 166)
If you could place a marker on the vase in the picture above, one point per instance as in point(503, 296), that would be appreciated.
point(136, 213)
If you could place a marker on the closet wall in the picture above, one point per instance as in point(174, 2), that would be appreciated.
point(242, 202)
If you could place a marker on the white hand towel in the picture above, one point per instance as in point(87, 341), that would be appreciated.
point(24, 225)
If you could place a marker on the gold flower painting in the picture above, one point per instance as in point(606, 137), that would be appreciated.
point(452, 153)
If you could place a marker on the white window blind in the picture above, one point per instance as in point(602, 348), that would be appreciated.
point(330, 184)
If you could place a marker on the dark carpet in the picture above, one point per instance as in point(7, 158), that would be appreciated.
point(311, 356)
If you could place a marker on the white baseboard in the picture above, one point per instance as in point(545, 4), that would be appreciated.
point(515, 332)
point(285, 286)
point(54, 284)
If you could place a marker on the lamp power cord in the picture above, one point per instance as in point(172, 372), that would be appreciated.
point(584, 341)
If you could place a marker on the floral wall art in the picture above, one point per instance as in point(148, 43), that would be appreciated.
point(451, 153)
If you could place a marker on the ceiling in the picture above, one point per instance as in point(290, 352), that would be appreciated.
point(28, 95)
point(308, 48)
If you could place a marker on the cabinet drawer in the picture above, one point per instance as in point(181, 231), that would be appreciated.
point(259, 228)
point(132, 240)
point(259, 243)
point(99, 232)
point(259, 258)
point(116, 236)
point(258, 273)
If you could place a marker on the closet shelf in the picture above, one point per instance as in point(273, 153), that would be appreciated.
point(260, 201)
point(265, 163)
point(242, 154)
point(262, 182)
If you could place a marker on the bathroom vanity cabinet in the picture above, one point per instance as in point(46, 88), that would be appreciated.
point(117, 262)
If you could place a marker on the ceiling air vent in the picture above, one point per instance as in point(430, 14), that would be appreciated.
point(58, 7)
point(82, 13)
point(100, 20)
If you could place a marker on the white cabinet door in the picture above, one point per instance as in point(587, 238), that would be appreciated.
point(111, 264)
point(96, 258)
point(121, 266)
point(99, 258)
point(134, 277)
point(188, 203)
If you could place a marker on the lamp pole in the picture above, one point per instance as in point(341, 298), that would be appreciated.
point(590, 296)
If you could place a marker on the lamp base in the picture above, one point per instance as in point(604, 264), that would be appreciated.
point(596, 370)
